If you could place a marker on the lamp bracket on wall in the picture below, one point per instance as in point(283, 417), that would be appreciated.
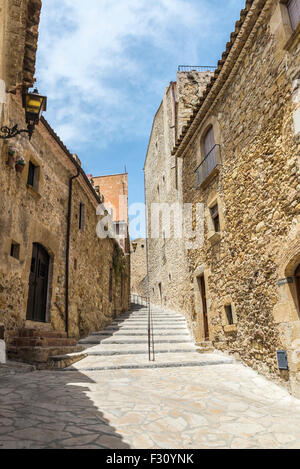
point(6, 132)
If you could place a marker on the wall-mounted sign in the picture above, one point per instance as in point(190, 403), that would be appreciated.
point(284, 281)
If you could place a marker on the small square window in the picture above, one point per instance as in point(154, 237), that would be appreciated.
point(15, 250)
point(214, 212)
point(229, 314)
point(33, 176)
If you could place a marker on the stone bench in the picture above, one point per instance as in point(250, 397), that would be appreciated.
point(2, 345)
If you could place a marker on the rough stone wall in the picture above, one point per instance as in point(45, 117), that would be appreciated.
point(168, 272)
point(257, 188)
point(139, 284)
point(39, 215)
point(19, 22)
point(190, 87)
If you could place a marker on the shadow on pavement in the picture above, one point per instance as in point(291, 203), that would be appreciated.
point(46, 409)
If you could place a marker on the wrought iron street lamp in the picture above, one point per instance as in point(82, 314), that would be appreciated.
point(34, 105)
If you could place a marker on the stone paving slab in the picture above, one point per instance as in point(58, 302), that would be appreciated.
point(223, 406)
point(191, 401)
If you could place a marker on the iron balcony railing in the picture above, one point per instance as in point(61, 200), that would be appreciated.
point(196, 68)
point(206, 167)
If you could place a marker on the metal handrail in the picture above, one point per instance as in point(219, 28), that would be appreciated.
point(191, 68)
point(144, 301)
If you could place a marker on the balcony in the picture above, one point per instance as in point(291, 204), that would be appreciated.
point(208, 167)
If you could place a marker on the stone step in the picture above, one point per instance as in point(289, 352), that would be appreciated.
point(42, 342)
point(140, 328)
point(142, 322)
point(134, 347)
point(32, 333)
point(132, 342)
point(144, 351)
point(145, 316)
point(165, 361)
point(140, 334)
point(113, 330)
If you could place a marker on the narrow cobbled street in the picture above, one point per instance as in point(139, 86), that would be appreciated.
point(115, 398)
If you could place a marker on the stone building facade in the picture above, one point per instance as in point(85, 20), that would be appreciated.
point(56, 274)
point(240, 162)
point(168, 268)
point(138, 270)
point(114, 189)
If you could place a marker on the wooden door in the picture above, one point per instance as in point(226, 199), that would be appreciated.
point(38, 284)
point(201, 283)
point(297, 275)
point(209, 141)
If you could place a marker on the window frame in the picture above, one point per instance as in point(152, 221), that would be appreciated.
point(33, 176)
point(15, 249)
point(81, 221)
point(212, 235)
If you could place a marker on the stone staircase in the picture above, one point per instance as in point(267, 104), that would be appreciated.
point(124, 344)
point(37, 346)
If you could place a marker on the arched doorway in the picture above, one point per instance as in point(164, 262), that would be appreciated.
point(297, 276)
point(38, 284)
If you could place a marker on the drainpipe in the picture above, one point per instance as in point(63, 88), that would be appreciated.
point(174, 125)
point(68, 246)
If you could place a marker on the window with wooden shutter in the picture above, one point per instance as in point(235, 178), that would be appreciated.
point(294, 12)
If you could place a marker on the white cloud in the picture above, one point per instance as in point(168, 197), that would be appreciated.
point(94, 60)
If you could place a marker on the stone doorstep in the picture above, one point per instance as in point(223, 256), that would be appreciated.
point(41, 333)
point(37, 355)
point(42, 342)
point(205, 347)
point(11, 367)
point(60, 362)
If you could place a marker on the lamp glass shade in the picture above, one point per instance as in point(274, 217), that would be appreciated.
point(35, 104)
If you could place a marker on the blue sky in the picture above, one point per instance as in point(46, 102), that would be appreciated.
point(104, 65)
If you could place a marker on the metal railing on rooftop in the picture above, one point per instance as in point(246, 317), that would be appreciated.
point(207, 165)
point(196, 68)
